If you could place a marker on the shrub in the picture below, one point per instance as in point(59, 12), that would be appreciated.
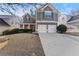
point(16, 30)
point(6, 32)
point(25, 30)
point(13, 31)
point(61, 28)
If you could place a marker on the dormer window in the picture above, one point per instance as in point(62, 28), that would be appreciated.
point(48, 14)
point(28, 18)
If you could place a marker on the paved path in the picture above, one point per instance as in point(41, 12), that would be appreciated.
point(59, 44)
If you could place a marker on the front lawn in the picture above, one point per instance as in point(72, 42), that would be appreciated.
point(23, 45)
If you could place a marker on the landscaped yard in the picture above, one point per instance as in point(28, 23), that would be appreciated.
point(22, 45)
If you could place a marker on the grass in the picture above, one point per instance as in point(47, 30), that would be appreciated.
point(73, 33)
point(23, 45)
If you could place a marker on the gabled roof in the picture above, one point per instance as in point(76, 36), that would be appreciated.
point(3, 23)
point(47, 5)
point(25, 20)
point(7, 16)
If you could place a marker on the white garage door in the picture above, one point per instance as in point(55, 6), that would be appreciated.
point(51, 28)
point(42, 28)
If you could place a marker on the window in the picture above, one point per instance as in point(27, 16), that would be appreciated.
point(28, 18)
point(48, 14)
point(21, 26)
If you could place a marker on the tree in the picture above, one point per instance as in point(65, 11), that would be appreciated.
point(61, 28)
point(11, 8)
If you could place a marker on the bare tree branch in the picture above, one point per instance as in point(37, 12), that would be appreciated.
point(11, 8)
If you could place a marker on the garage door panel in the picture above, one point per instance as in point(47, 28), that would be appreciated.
point(42, 28)
point(46, 28)
point(51, 28)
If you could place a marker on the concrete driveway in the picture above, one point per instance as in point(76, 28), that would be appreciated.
point(55, 44)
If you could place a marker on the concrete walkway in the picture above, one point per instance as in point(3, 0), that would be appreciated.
point(59, 44)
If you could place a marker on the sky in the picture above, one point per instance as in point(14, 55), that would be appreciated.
point(64, 8)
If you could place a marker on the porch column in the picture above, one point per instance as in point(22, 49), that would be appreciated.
point(28, 26)
point(41, 16)
point(19, 26)
point(23, 26)
point(36, 23)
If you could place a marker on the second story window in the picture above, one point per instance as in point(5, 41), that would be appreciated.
point(28, 18)
point(48, 14)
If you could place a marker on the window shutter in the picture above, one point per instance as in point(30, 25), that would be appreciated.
point(56, 17)
point(52, 14)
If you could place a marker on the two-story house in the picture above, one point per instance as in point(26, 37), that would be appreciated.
point(46, 18)
point(28, 22)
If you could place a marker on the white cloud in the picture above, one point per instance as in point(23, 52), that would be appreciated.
point(67, 10)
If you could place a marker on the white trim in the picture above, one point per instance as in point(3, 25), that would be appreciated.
point(23, 26)
point(44, 6)
point(49, 7)
point(36, 22)
point(47, 21)
point(41, 16)
point(28, 23)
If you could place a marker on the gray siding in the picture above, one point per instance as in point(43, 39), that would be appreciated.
point(55, 17)
point(28, 19)
point(38, 16)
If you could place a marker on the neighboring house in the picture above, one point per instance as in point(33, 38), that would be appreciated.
point(28, 22)
point(8, 22)
point(73, 24)
point(74, 21)
point(11, 20)
point(46, 18)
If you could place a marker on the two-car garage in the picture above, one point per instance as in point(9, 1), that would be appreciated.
point(46, 28)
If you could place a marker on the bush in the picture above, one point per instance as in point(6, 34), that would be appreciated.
point(25, 30)
point(6, 32)
point(16, 30)
point(61, 28)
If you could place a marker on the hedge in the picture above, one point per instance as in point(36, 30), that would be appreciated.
point(16, 30)
point(6, 32)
